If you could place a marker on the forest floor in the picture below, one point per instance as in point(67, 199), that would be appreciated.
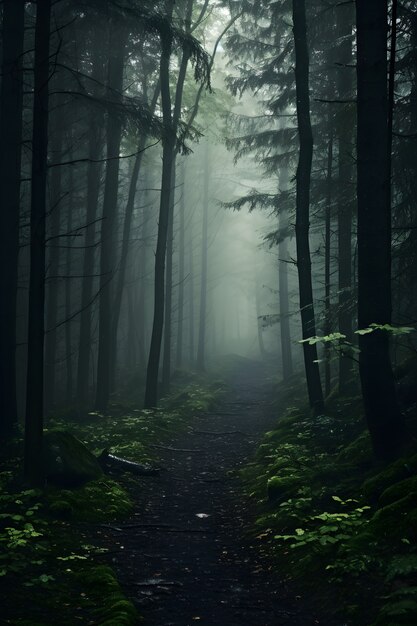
point(186, 555)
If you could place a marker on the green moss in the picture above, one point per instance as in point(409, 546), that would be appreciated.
point(358, 452)
point(399, 470)
point(397, 520)
point(97, 501)
point(398, 491)
point(280, 486)
point(104, 591)
point(68, 462)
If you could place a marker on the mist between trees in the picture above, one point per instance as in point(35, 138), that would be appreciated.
point(184, 180)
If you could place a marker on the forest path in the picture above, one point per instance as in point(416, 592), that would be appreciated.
point(194, 563)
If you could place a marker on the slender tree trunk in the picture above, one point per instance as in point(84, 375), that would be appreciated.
point(68, 295)
point(284, 301)
point(261, 344)
point(151, 392)
point(191, 313)
point(117, 304)
point(10, 166)
point(327, 266)
point(130, 205)
point(109, 217)
point(302, 225)
point(385, 423)
point(345, 89)
point(181, 269)
point(201, 364)
point(166, 363)
point(143, 265)
point(34, 470)
point(95, 147)
point(52, 284)
point(131, 334)
point(170, 151)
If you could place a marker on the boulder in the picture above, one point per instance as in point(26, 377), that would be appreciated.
point(68, 462)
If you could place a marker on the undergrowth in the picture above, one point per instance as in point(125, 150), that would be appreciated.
point(46, 556)
point(334, 521)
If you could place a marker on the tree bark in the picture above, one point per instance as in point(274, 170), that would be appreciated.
point(166, 362)
point(181, 270)
point(34, 470)
point(384, 420)
point(95, 147)
point(345, 89)
point(284, 303)
point(201, 347)
point(117, 44)
point(302, 225)
point(52, 284)
point(327, 266)
point(10, 172)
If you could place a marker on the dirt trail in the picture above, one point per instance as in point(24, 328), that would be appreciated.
point(194, 564)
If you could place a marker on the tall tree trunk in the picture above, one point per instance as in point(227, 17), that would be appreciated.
point(127, 224)
point(201, 364)
point(345, 89)
point(284, 301)
point(170, 150)
point(95, 147)
point(52, 284)
point(261, 343)
point(166, 363)
point(327, 265)
point(191, 312)
point(302, 225)
point(69, 294)
point(34, 470)
point(385, 423)
point(181, 269)
point(10, 166)
point(117, 43)
point(118, 296)
point(143, 281)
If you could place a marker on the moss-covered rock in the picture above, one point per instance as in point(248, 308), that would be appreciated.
point(399, 470)
point(68, 462)
point(397, 520)
point(359, 452)
point(398, 491)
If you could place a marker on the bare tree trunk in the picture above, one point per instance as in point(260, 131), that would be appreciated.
point(191, 313)
point(302, 226)
point(95, 147)
point(261, 344)
point(385, 423)
point(204, 265)
point(130, 205)
point(345, 90)
point(34, 471)
point(166, 363)
point(52, 283)
point(117, 45)
point(143, 291)
point(284, 301)
point(69, 294)
point(181, 269)
point(10, 167)
point(327, 267)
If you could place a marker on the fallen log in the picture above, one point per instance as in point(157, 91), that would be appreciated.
point(112, 462)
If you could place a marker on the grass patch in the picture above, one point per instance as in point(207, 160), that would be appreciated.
point(45, 553)
point(337, 523)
